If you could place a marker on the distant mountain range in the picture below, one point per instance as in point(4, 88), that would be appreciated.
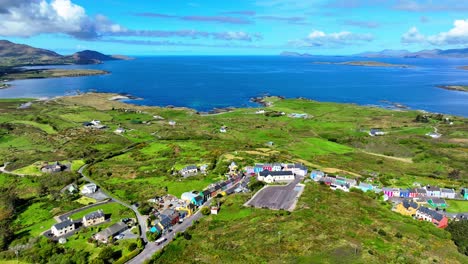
point(435, 53)
point(12, 54)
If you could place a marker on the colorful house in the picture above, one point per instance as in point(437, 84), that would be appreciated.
point(437, 203)
point(276, 167)
point(206, 195)
point(407, 207)
point(391, 192)
point(198, 201)
point(156, 229)
point(421, 192)
point(404, 193)
point(172, 214)
point(258, 168)
point(267, 167)
point(316, 175)
point(249, 170)
point(426, 214)
point(464, 192)
point(412, 193)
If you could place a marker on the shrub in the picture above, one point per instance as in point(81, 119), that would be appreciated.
point(382, 232)
point(205, 210)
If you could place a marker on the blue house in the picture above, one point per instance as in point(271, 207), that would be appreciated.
point(365, 187)
point(198, 201)
point(258, 168)
point(404, 193)
point(316, 175)
point(156, 229)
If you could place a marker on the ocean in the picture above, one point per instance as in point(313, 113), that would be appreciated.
point(207, 82)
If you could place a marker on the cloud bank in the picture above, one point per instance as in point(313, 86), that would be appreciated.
point(458, 35)
point(321, 39)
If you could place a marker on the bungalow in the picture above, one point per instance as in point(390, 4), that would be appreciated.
point(447, 193)
point(407, 207)
point(55, 167)
point(426, 214)
point(112, 230)
point(433, 191)
point(258, 168)
point(316, 175)
point(365, 187)
point(94, 124)
point(276, 167)
point(89, 188)
point(261, 111)
point(376, 132)
point(164, 222)
point(63, 228)
point(188, 171)
point(275, 176)
point(94, 218)
point(299, 169)
point(464, 192)
point(344, 187)
point(172, 214)
point(437, 203)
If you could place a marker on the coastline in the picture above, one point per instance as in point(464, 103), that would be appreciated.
point(459, 88)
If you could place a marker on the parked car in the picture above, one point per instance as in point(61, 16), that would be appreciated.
point(161, 240)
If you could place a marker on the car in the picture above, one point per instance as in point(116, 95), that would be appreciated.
point(181, 221)
point(161, 240)
point(119, 236)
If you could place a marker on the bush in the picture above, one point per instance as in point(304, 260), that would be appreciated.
point(132, 246)
point(398, 235)
point(205, 210)
point(382, 232)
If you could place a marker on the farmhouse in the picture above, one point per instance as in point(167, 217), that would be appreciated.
point(188, 171)
point(94, 218)
point(63, 228)
point(447, 193)
point(112, 230)
point(55, 167)
point(275, 176)
point(433, 191)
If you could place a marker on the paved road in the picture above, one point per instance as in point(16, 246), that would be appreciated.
point(276, 197)
point(152, 248)
point(141, 219)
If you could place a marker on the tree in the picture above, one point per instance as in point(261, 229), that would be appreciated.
point(459, 231)
point(205, 210)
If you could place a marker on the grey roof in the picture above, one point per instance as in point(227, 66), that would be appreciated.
point(190, 167)
point(64, 224)
point(198, 198)
point(365, 185)
point(94, 215)
point(409, 203)
point(420, 190)
point(432, 213)
point(433, 188)
point(165, 220)
point(445, 190)
point(437, 201)
point(112, 230)
point(275, 173)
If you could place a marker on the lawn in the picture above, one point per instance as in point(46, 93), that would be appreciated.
point(44, 127)
point(35, 219)
point(114, 210)
point(457, 206)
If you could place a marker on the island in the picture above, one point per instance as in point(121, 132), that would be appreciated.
point(366, 64)
point(462, 88)
point(21, 74)
point(464, 68)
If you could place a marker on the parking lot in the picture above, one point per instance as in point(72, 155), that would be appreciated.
point(277, 197)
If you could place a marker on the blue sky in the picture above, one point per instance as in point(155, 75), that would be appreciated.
point(242, 27)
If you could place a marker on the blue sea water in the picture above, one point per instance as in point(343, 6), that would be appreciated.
point(207, 82)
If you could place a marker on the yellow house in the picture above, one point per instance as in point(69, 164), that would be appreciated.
point(407, 207)
point(188, 207)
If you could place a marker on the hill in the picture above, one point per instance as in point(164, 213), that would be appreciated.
point(12, 54)
point(387, 53)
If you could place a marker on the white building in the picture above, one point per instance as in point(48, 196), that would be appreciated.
point(63, 228)
point(89, 188)
point(276, 176)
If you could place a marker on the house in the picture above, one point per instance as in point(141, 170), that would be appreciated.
point(267, 167)
point(426, 214)
point(63, 228)
point(172, 214)
point(270, 143)
point(261, 111)
point(275, 176)
point(111, 231)
point(316, 175)
point(296, 115)
point(434, 135)
point(156, 229)
point(376, 132)
point(223, 129)
point(412, 193)
point(249, 170)
point(447, 193)
point(188, 171)
point(405, 193)
point(189, 196)
point(464, 192)
point(390, 192)
point(164, 222)
point(94, 124)
point(365, 187)
point(89, 188)
point(94, 218)
point(328, 180)
point(407, 207)
point(189, 208)
point(206, 194)
point(214, 210)
point(72, 188)
point(198, 201)
point(55, 167)
point(433, 191)
point(421, 192)
point(119, 130)
point(343, 187)
point(203, 169)
point(172, 122)
point(345, 181)
point(276, 167)
point(232, 167)
point(437, 202)
point(258, 168)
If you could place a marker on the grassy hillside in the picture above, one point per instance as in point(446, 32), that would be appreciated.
point(326, 227)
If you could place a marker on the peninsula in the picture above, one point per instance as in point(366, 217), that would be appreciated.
point(366, 64)
point(20, 74)
point(462, 88)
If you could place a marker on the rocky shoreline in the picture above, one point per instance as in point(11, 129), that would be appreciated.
point(459, 88)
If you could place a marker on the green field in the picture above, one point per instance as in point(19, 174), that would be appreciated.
point(456, 206)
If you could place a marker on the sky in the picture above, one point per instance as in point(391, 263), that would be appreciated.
point(235, 27)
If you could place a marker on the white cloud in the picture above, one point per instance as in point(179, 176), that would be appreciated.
point(458, 35)
point(28, 18)
point(319, 38)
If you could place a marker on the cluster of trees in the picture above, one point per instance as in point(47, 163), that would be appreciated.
point(459, 231)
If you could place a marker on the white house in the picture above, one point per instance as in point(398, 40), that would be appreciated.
point(261, 111)
point(299, 169)
point(172, 123)
point(339, 187)
point(190, 170)
point(214, 210)
point(89, 188)
point(223, 129)
point(276, 167)
point(275, 176)
point(119, 130)
point(376, 132)
point(447, 193)
point(63, 228)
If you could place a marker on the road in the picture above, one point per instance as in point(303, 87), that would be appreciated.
point(141, 219)
point(152, 248)
point(276, 197)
